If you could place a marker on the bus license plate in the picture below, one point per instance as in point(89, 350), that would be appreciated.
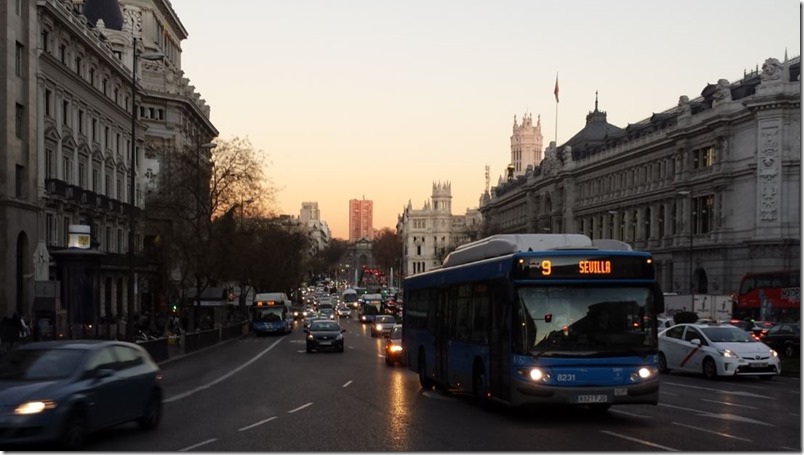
point(593, 398)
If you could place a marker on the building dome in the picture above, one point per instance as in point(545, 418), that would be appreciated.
point(108, 10)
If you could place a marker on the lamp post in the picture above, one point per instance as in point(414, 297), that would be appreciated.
point(132, 183)
point(207, 146)
point(691, 225)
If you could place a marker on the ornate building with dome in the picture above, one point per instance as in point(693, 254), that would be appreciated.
point(711, 187)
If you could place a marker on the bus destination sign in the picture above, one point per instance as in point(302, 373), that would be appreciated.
point(582, 267)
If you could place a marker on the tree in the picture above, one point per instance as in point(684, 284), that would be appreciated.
point(387, 249)
point(191, 210)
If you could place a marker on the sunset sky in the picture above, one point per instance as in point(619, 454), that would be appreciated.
point(374, 99)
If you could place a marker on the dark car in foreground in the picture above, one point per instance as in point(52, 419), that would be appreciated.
point(324, 334)
point(62, 391)
point(785, 338)
point(393, 346)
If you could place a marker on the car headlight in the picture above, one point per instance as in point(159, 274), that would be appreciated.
point(395, 348)
point(773, 353)
point(339, 337)
point(725, 353)
point(378, 327)
point(34, 407)
point(310, 337)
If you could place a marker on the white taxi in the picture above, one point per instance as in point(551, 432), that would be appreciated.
point(715, 350)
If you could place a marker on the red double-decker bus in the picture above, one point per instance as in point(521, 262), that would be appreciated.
point(769, 296)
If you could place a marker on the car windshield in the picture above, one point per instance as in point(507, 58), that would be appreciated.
point(727, 335)
point(324, 327)
point(385, 319)
point(39, 364)
point(396, 333)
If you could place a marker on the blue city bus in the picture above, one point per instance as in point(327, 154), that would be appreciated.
point(537, 318)
point(270, 315)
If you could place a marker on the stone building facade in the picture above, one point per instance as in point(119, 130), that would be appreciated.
point(69, 141)
point(712, 186)
point(430, 233)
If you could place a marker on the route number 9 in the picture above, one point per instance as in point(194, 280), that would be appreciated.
point(546, 268)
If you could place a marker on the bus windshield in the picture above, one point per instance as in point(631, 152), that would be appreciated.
point(585, 321)
point(268, 314)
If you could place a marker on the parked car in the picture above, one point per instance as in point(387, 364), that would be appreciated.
point(62, 391)
point(393, 346)
point(324, 334)
point(715, 350)
point(382, 325)
point(784, 337)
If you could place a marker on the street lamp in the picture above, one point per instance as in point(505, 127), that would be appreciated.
point(132, 183)
point(692, 289)
point(207, 146)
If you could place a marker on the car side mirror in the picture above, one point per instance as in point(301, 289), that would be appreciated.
point(695, 341)
point(343, 330)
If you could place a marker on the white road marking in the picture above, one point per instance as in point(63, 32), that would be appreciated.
point(224, 377)
point(724, 416)
point(727, 392)
point(300, 408)
point(712, 432)
point(198, 445)
point(668, 393)
point(347, 384)
point(256, 424)
point(729, 404)
point(640, 441)
point(630, 413)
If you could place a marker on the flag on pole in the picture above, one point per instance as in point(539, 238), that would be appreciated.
point(555, 91)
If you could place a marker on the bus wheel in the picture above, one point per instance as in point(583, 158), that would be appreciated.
point(425, 382)
point(479, 387)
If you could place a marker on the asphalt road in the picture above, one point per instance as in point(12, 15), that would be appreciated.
point(267, 394)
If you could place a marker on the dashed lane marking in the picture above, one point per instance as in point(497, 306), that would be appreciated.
point(257, 424)
point(300, 408)
point(198, 445)
point(640, 441)
point(725, 435)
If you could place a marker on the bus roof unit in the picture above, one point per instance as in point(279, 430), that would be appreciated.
point(502, 244)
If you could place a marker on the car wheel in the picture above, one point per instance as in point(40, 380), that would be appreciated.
point(388, 361)
point(424, 381)
point(709, 369)
point(789, 350)
point(663, 364)
point(153, 413)
point(74, 433)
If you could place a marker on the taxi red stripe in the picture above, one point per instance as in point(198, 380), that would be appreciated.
point(691, 353)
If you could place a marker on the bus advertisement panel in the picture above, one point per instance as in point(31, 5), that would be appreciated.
point(769, 296)
point(537, 318)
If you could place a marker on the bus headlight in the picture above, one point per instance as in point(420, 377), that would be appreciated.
point(644, 373)
point(536, 374)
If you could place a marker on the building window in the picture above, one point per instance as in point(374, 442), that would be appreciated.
point(108, 239)
point(65, 113)
point(50, 164)
point(703, 214)
point(94, 129)
point(19, 181)
point(65, 233)
point(18, 60)
point(92, 77)
point(95, 180)
point(19, 115)
point(68, 170)
point(48, 100)
point(78, 65)
point(119, 240)
point(63, 53)
point(119, 189)
point(108, 185)
point(82, 174)
point(80, 121)
point(106, 137)
point(50, 220)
